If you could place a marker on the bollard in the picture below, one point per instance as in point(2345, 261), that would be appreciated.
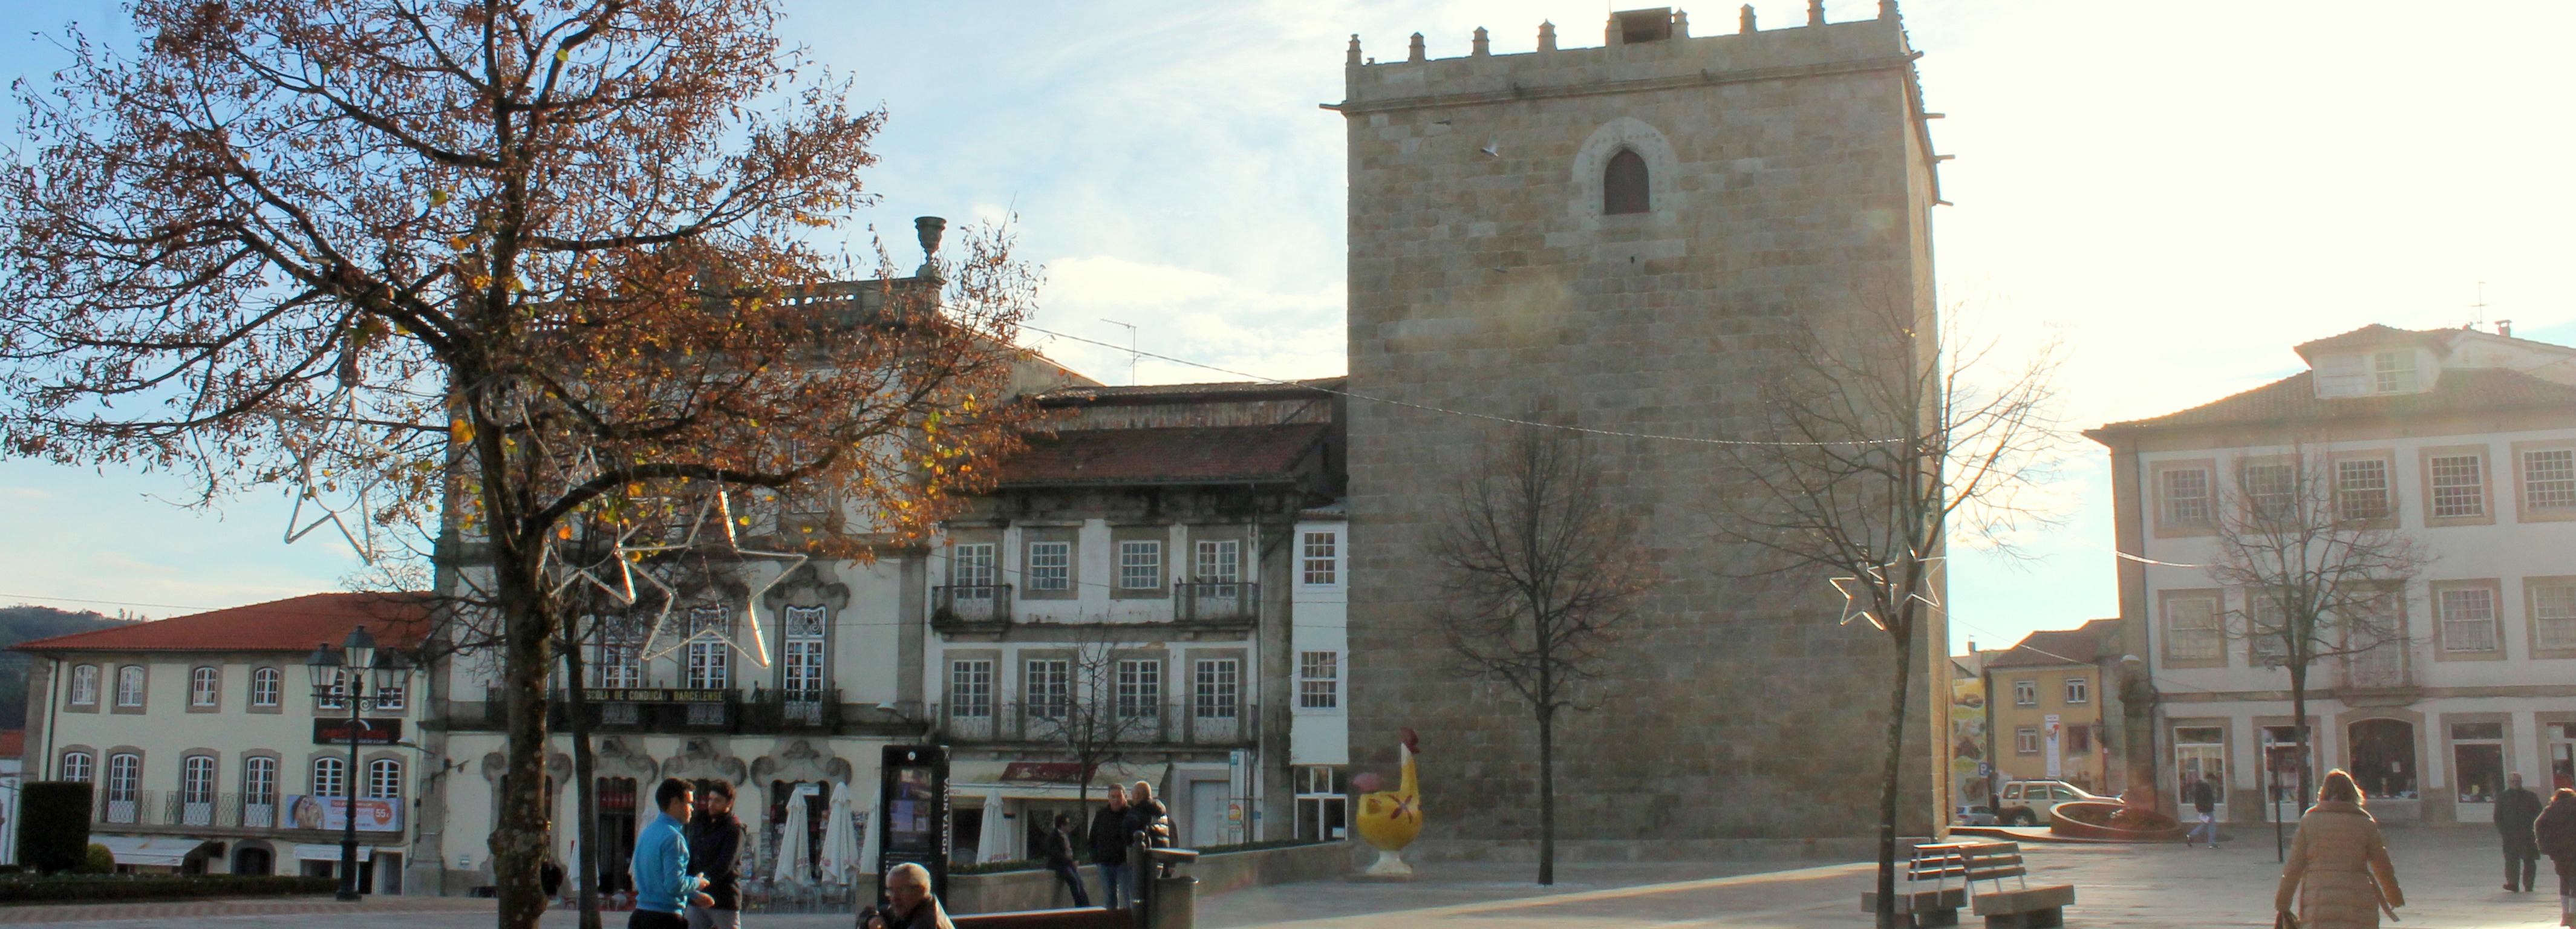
point(1176, 904)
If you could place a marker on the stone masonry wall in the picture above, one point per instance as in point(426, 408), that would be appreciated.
point(1790, 182)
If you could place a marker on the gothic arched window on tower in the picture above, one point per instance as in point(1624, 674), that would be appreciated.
point(1623, 184)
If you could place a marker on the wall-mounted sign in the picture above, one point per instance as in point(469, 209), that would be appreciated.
point(304, 811)
point(367, 731)
point(655, 694)
point(1053, 772)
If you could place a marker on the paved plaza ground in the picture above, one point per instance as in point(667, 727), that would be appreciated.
point(2451, 877)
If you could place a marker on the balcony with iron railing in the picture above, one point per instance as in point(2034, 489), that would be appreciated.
point(1176, 723)
point(962, 607)
point(203, 813)
point(685, 710)
point(1214, 603)
point(986, 608)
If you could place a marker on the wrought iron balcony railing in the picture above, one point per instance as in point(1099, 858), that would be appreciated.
point(1216, 602)
point(970, 603)
point(1184, 722)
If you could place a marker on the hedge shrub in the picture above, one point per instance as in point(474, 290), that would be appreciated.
point(98, 860)
point(33, 889)
point(53, 825)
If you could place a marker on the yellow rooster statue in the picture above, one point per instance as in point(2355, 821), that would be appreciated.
point(1390, 819)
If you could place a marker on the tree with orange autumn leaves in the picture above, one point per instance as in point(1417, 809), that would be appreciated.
point(504, 271)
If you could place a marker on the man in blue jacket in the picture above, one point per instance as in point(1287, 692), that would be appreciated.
point(663, 885)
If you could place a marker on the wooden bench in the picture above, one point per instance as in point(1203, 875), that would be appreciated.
point(2022, 906)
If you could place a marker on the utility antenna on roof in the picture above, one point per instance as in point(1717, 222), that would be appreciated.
point(2480, 306)
point(1131, 349)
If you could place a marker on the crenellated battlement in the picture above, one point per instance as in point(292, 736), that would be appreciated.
point(1640, 48)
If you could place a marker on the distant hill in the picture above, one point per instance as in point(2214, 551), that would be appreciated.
point(21, 623)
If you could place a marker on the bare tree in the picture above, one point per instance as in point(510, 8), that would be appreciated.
point(1109, 705)
point(2312, 543)
point(1539, 576)
point(1883, 440)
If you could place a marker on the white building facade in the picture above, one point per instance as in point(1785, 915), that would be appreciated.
point(210, 750)
point(2462, 440)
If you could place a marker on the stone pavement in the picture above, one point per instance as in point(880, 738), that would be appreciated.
point(2451, 877)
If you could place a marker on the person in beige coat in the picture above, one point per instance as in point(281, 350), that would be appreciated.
point(2338, 866)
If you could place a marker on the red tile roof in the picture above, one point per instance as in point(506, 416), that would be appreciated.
point(1190, 455)
point(2080, 645)
point(2293, 401)
point(2375, 335)
point(1184, 393)
point(295, 624)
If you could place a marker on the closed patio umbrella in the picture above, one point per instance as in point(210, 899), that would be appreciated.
point(991, 844)
point(840, 842)
point(793, 842)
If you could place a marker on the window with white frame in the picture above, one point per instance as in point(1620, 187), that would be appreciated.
point(2026, 740)
point(384, 779)
point(204, 687)
point(2361, 488)
point(2459, 486)
point(1319, 559)
point(1140, 564)
point(709, 654)
point(2468, 617)
point(1048, 687)
point(1050, 566)
point(76, 766)
point(1140, 688)
point(197, 779)
point(2266, 629)
point(1217, 688)
point(2078, 690)
point(2392, 372)
point(2553, 615)
point(124, 777)
point(330, 777)
point(970, 688)
point(259, 780)
point(85, 685)
point(2192, 632)
point(618, 659)
point(129, 685)
point(336, 696)
point(265, 684)
point(2549, 479)
point(1220, 561)
point(2186, 496)
point(801, 653)
point(2271, 490)
point(2026, 693)
point(1319, 680)
point(390, 697)
point(972, 570)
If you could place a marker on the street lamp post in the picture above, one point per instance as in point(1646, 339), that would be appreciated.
point(352, 669)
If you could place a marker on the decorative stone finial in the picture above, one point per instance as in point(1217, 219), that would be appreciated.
point(1415, 53)
point(1546, 36)
point(1815, 12)
point(1746, 23)
point(1351, 59)
point(929, 228)
point(1481, 47)
point(1681, 24)
point(1887, 10)
point(1613, 35)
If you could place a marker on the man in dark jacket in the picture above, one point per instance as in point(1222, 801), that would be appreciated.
point(1108, 842)
point(715, 838)
point(1058, 846)
point(2204, 803)
point(2515, 809)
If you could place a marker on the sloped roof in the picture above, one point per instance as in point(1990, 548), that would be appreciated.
point(295, 624)
point(1185, 455)
point(1184, 393)
point(2293, 400)
point(2377, 335)
point(2080, 645)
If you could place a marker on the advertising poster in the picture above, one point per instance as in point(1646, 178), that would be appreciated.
point(2056, 755)
point(304, 811)
point(1968, 743)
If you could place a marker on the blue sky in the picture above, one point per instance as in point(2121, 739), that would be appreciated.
point(2180, 193)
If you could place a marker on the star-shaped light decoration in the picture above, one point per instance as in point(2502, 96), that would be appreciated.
point(759, 650)
point(311, 481)
point(1856, 606)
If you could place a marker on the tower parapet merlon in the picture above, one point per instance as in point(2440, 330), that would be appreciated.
point(1625, 28)
point(1654, 43)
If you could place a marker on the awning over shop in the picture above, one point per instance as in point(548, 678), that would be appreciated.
point(330, 852)
point(166, 851)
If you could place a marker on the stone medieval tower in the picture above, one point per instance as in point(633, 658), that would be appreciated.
point(1611, 237)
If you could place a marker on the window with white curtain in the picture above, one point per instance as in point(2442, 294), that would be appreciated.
point(129, 685)
point(85, 685)
point(204, 686)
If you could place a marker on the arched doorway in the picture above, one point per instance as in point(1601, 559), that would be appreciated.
point(2383, 758)
point(248, 860)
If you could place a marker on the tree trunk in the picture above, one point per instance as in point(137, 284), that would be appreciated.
point(2299, 733)
point(1888, 778)
point(585, 786)
point(1546, 795)
point(519, 840)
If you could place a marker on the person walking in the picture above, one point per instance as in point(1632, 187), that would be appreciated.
point(2339, 867)
point(715, 840)
point(663, 885)
point(2204, 800)
point(2555, 833)
point(1108, 840)
point(1058, 846)
point(2515, 809)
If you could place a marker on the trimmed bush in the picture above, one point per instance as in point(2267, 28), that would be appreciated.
point(98, 861)
point(53, 825)
point(31, 889)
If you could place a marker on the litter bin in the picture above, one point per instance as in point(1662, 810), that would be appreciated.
point(1176, 903)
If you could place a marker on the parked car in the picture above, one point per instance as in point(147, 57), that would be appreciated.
point(1975, 814)
point(2026, 803)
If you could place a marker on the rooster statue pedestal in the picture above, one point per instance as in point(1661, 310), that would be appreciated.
point(1390, 819)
